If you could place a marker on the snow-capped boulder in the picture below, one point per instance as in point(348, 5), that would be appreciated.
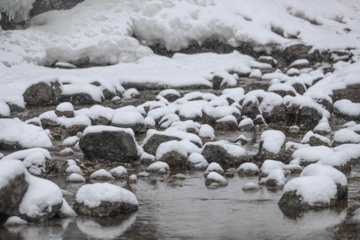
point(196, 161)
point(43, 94)
point(175, 153)
point(344, 136)
point(104, 200)
point(323, 128)
point(101, 175)
point(351, 92)
point(82, 94)
point(65, 109)
point(170, 94)
point(226, 124)
point(339, 160)
point(206, 133)
point(214, 177)
point(154, 138)
point(215, 167)
point(224, 153)
point(250, 106)
point(109, 143)
point(15, 134)
point(306, 155)
point(348, 109)
point(13, 186)
point(246, 124)
point(118, 171)
point(248, 170)
point(309, 192)
point(272, 145)
point(76, 178)
point(128, 119)
point(250, 186)
point(158, 167)
point(276, 178)
point(314, 139)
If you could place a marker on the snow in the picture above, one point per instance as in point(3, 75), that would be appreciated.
point(248, 167)
point(246, 121)
point(9, 169)
point(65, 107)
point(338, 159)
point(282, 87)
point(22, 154)
point(102, 173)
point(183, 147)
point(255, 74)
point(250, 186)
point(27, 135)
point(229, 118)
point(312, 189)
point(99, 128)
point(66, 210)
point(198, 161)
point(325, 171)
point(91, 195)
point(323, 126)
point(158, 166)
point(171, 131)
point(127, 117)
point(169, 92)
point(40, 196)
point(130, 93)
point(120, 170)
point(75, 177)
point(353, 150)
point(230, 148)
point(347, 107)
point(214, 167)
point(14, 220)
point(206, 131)
point(4, 109)
point(70, 141)
point(217, 178)
point(276, 175)
point(299, 62)
point(346, 136)
point(270, 165)
point(89, 89)
point(273, 140)
point(64, 65)
point(308, 135)
point(35, 163)
point(74, 169)
point(312, 154)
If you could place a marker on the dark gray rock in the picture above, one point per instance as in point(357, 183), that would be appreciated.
point(250, 109)
point(301, 51)
point(174, 159)
point(79, 99)
point(351, 92)
point(226, 126)
point(105, 209)
point(116, 146)
point(42, 94)
point(155, 140)
point(41, 6)
point(11, 196)
point(216, 153)
point(276, 115)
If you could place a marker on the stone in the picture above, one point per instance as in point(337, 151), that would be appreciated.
point(226, 126)
point(11, 196)
point(217, 153)
point(216, 81)
point(276, 115)
point(174, 159)
point(301, 51)
point(299, 87)
point(251, 109)
point(73, 130)
point(155, 140)
point(41, 6)
point(351, 92)
point(43, 94)
point(116, 146)
point(79, 99)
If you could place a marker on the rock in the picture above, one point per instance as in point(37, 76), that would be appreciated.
point(251, 109)
point(217, 178)
point(293, 200)
point(109, 143)
point(12, 194)
point(196, 161)
point(272, 145)
point(158, 167)
point(104, 200)
point(174, 159)
point(301, 51)
point(216, 82)
point(251, 187)
point(65, 109)
point(246, 124)
point(155, 140)
point(226, 124)
point(299, 87)
point(41, 6)
point(73, 130)
point(276, 115)
point(79, 99)
point(248, 170)
point(351, 92)
point(276, 178)
point(224, 153)
point(42, 94)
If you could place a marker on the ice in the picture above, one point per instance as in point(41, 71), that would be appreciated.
point(312, 189)
point(91, 195)
point(273, 140)
point(27, 135)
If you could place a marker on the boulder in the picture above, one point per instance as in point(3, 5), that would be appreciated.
point(351, 92)
point(251, 109)
point(109, 143)
point(248, 170)
point(155, 140)
point(79, 99)
point(42, 94)
point(301, 51)
point(41, 6)
point(272, 145)
point(224, 153)
point(104, 200)
point(174, 159)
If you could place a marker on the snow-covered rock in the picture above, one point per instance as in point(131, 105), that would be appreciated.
point(118, 171)
point(272, 145)
point(158, 167)
point(15, 134)
point(101, 175)
point(248, 169)
point(109, 143)
point(197, 161)
point(217, 178)
point(344, 136)
point(315, 139)
point(104, 200)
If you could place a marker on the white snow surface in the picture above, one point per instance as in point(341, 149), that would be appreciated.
point(214, 167)
point(232, 149)
point(183, 147)
point(91, 195)
point(217, 178)
point(75, 177)
point(346, 135)
point(310, 134)
point(273, 140)
point(27, 135)
point(347, 107)
point(312, 189)
point(14, 220)
point(248, 167)
point(65, 106)
point(198, 161)
point(312, 154)
point(120, 170)
point(100, 128)
point(9, 169)
point(101, 173)
point(4, 109)
point(325, 171)
point(158, 166)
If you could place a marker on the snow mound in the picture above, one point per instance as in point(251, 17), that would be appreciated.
point(273, 140)
point(325, 171)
